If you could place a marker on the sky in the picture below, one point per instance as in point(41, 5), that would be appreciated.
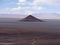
point(29, 6)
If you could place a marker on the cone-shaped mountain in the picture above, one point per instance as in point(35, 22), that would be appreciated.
point(31, 18)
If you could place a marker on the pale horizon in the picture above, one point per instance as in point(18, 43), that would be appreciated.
point(49, 8)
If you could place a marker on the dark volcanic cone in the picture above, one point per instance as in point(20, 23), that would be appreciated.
point(31, 18)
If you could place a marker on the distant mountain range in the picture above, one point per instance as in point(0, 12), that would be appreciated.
point(39, 15)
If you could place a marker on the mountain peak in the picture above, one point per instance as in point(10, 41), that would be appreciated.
point(31, 18)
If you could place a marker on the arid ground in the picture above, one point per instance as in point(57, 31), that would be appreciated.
point(29, 33)
point(17, 36)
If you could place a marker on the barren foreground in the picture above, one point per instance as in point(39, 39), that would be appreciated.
point(18, 36)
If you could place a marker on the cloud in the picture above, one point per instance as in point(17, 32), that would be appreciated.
point(38, 2)
point(21, 10)
point(10, 10)
point(22, 1)
point(15, 9)
point(37, 7)
point(47, 16)
point(47, 2)
point(24, 6)
point(29, 5)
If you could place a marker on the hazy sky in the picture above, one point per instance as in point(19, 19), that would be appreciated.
point(29, 6)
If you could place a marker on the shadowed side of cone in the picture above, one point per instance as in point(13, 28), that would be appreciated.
point(31, 18)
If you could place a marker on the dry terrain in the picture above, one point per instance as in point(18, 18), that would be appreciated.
point(18, 36)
